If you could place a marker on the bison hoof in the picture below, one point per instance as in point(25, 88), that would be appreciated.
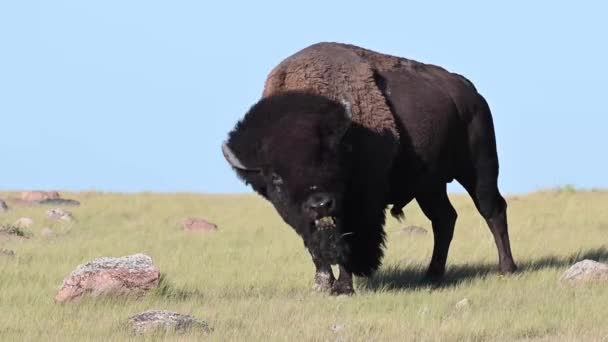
point(321, 287)
point(432, 279)
point(507, 268)
point(323, 282)
point(339, 289)
point(434, 275)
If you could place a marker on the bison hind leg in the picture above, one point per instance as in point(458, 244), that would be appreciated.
point(493, 207)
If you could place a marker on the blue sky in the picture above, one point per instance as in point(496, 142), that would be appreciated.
point(138, 95)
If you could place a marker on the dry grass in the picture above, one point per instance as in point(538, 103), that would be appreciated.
point(251, 280)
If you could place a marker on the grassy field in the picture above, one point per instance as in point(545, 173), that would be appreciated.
point(251, 280)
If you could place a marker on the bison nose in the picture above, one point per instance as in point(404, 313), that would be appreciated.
point(321, 203)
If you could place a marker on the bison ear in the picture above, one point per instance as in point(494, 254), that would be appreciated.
point(338, 126)
point(232, 159)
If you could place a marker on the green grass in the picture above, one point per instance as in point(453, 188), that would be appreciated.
point(251, 280)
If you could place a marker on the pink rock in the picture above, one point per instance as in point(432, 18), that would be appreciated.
point(37, 196)
point(193, 224)
point(132, 275)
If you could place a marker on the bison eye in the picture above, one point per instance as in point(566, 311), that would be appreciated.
point(276, 180)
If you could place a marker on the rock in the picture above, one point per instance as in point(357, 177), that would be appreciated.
point(24, 222)
point(585, 271)
point(150, 321)
point(47, 233)
point(12, 230)
point(132, 275)
point(59, 201)
point(337, 328)
point(7, 252)
point(60, 214)
point(414, 230)
point(462, 304)
point(3, 206)
point(193, 224)
point(37, 196)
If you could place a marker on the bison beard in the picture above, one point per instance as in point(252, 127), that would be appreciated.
point(342, 132)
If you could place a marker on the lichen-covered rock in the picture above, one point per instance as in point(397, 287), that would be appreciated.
point(132, 275)
point(60, 214)
point(154, 320)
point(586, 271)
point(194, 224)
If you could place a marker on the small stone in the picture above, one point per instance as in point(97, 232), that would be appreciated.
point(194, 224)
point(337, 328)
point(3, 206)
point(167, 321)
point(60, 214)
point(24, 222)
point(585, 271)
point(7, 252)
point(462, 304)
point(133, 275)
point(414, 230)
point(47, 233)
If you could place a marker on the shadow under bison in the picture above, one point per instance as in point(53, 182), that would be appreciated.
point(397, 277)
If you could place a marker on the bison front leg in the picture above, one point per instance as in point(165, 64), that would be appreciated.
point(324, 277)
point(344, 284)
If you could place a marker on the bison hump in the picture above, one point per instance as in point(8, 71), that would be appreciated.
point(339, 72)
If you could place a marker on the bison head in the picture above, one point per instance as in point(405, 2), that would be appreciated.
point(292, 148)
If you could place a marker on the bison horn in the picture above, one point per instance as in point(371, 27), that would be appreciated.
point(232, 159)
point(347, 108)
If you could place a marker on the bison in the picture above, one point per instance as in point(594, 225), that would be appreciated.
point(343, 132)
